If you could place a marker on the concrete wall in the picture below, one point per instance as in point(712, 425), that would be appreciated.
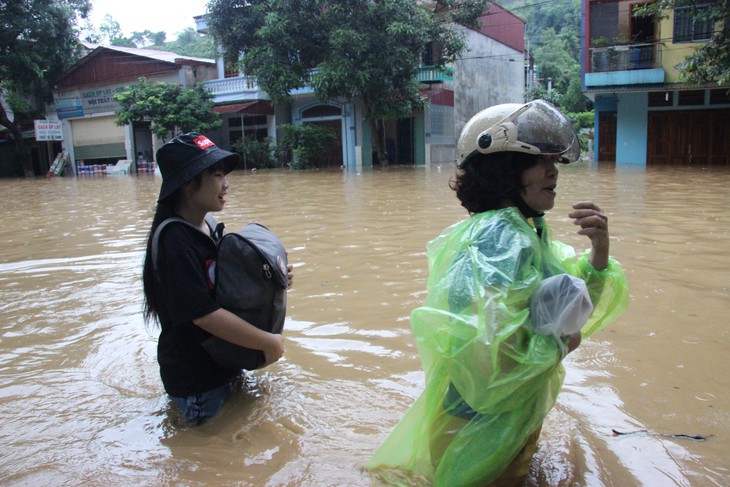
point(488, 74)
point(189, 75)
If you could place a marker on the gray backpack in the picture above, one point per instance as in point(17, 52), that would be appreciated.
point(250, 279)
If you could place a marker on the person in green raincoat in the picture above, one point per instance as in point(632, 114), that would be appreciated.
point(490, 378)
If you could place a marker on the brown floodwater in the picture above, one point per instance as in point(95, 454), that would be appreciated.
point(82, 402)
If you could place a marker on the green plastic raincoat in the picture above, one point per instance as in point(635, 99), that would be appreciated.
point(490, 381)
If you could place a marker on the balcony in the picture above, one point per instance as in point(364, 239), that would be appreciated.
point(235, 89)
point(625, 64)
point(229, 90)
point(434, 74)
point(625, 57)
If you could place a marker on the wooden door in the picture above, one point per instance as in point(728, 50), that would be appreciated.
point(607, 138)
point(688, 138)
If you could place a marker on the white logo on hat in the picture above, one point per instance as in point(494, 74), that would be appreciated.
point(204, 142)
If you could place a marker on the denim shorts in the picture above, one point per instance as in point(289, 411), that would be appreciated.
point(199, 408)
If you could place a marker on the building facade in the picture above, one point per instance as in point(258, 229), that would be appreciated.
point(491, 72)
point(644, 113)
point(84, 101)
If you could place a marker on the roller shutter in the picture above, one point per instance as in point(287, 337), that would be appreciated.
point(98, 138)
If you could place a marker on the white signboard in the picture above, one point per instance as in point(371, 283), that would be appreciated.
point(48, 130)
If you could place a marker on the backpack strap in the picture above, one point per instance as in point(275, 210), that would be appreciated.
point(216, 231)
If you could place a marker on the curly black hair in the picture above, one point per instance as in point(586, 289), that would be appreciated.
point(485, 182)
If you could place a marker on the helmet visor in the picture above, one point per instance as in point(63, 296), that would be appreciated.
point(535, 128)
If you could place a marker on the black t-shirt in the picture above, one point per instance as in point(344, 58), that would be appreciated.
point(183, 258)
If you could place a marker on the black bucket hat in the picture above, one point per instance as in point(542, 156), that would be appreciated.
point(186, 156)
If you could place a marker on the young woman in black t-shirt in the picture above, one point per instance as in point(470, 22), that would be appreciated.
point(177, 289)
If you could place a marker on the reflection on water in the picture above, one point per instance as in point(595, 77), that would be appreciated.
point(82, 398)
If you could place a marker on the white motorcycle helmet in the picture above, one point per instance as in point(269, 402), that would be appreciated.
point(536, 127)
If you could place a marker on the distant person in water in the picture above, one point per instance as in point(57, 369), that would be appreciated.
point(490, 377)
point(177, 288)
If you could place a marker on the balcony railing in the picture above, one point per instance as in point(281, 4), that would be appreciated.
point(239, 84)
point(625, 57)
point(246, 86)
point(432, 74)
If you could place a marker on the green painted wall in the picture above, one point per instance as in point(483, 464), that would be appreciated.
point(100, 151)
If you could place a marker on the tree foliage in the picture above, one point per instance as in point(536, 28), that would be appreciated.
point(553, 39)
point(110, 33)
point(257, 154)
point(38, 41)
point(351, 49)
point(169, 107)
point(188, 42)
point(710, 63)
point(306, 142)
point(111, 30)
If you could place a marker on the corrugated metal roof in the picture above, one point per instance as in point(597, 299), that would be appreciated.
point(164, 56)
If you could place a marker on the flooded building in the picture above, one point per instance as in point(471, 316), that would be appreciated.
point(84, 101)
point(491, 71)
point(644, 113)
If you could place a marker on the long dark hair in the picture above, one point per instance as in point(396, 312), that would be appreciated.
point(485, 182)
point(166, 208)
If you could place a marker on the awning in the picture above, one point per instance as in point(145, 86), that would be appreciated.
point(255, 107)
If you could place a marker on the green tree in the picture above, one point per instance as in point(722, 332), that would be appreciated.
point(190, 43)
point(553, 39)
point(110, 30)
point(306, 142)
point(352, 49)
point(555, 60)
point(574, 100)
point(256, 153)
point(38, 41)
point(158, 38)
point(710, 63)
point(169, 107)
point(147, 38)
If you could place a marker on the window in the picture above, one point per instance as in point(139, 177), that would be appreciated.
point(321, 111)
point(719, 97)
point(442, 125)
point(693, 97)
point(692, 24)
point(642, 28)
point(231, 70)
point(604, 21)
point(661, 99)
point(250, 126)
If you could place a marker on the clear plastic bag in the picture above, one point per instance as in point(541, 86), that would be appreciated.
point(560, 306)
